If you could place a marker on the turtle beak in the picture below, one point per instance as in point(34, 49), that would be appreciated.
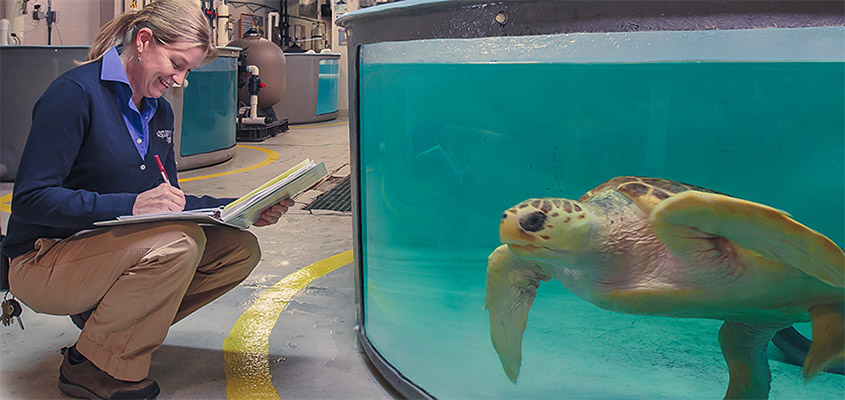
point(511, 227)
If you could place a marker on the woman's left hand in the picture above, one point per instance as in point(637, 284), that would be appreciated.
point(272, 214)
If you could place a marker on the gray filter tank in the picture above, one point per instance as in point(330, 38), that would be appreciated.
point(270, 61)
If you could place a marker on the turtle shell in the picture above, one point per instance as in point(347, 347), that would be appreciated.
point(646, 192)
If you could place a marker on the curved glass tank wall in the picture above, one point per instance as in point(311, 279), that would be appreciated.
point(461, 110)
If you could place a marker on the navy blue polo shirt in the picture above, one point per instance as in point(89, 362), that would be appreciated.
point(80, 163)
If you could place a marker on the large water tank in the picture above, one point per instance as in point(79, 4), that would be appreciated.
point(19, 92)
point(270, 61)
point(449, 99)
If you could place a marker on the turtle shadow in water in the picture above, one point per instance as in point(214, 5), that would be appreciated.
point(793, 348)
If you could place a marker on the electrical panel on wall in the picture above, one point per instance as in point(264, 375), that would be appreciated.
point(248, 21)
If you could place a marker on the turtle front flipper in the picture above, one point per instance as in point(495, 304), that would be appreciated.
point(511, 287)
point(744, 348)
point(756, 227)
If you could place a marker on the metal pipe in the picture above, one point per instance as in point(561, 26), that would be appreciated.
point(285, 40)
point(49, 22)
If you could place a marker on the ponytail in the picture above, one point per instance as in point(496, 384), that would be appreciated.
point(111, 34)
point(169, 20)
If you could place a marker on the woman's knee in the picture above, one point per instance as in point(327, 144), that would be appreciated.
point(250, 244)
point(185, 241)
point(249, 248)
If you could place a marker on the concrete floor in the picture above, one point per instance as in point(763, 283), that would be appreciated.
point(313, 351)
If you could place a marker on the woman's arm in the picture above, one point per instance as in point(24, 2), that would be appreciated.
point(60, 119)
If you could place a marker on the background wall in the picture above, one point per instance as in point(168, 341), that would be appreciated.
point(77, 21)
point(304, 16)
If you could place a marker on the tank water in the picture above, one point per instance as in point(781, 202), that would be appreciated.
point(448, 143)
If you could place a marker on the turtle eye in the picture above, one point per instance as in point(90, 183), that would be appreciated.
point(533, 222)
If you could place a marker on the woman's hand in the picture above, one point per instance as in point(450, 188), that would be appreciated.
point(161, 198)
point(272, 214)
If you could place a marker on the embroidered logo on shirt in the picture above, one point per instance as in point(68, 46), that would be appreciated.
point(165, 134)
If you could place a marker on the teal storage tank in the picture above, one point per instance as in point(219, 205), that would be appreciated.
point(205, 112)
point(461, 109)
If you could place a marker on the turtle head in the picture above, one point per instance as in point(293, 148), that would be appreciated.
point(547, 229)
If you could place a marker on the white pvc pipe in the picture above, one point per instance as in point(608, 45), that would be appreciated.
point(253, 101)
point(222, 24)
point(14, 12)
point(253, 121)
point(5, 30)
point(270, 24)
point(253, 106)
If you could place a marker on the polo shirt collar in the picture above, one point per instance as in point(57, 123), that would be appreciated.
point(113, 70)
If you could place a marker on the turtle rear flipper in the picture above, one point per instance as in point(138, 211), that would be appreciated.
point(511, 288)
point(828, 344)
point(756, 227)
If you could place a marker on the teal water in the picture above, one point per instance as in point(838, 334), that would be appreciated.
point(209, 108)
point(445, 148)
point(327, 86)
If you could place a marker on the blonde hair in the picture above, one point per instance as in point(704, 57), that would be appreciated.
point(169, 20)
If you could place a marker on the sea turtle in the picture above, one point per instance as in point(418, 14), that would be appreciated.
point(652, 246)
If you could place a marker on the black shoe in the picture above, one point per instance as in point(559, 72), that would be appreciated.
point(79, 377)
point(80, 319)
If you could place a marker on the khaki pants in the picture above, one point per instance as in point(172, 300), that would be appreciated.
point(141, 278)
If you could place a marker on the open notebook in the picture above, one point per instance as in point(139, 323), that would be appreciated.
point(247, 209)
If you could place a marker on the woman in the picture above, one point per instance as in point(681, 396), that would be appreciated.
point(90, 156)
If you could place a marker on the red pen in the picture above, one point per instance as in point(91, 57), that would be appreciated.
point(161, 168)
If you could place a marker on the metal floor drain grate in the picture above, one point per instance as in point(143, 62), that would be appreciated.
point(339, 198)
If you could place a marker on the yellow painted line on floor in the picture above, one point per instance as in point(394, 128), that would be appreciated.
point(318, 126)
point(6, 203)
point(271, 156)
point(246, 350)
